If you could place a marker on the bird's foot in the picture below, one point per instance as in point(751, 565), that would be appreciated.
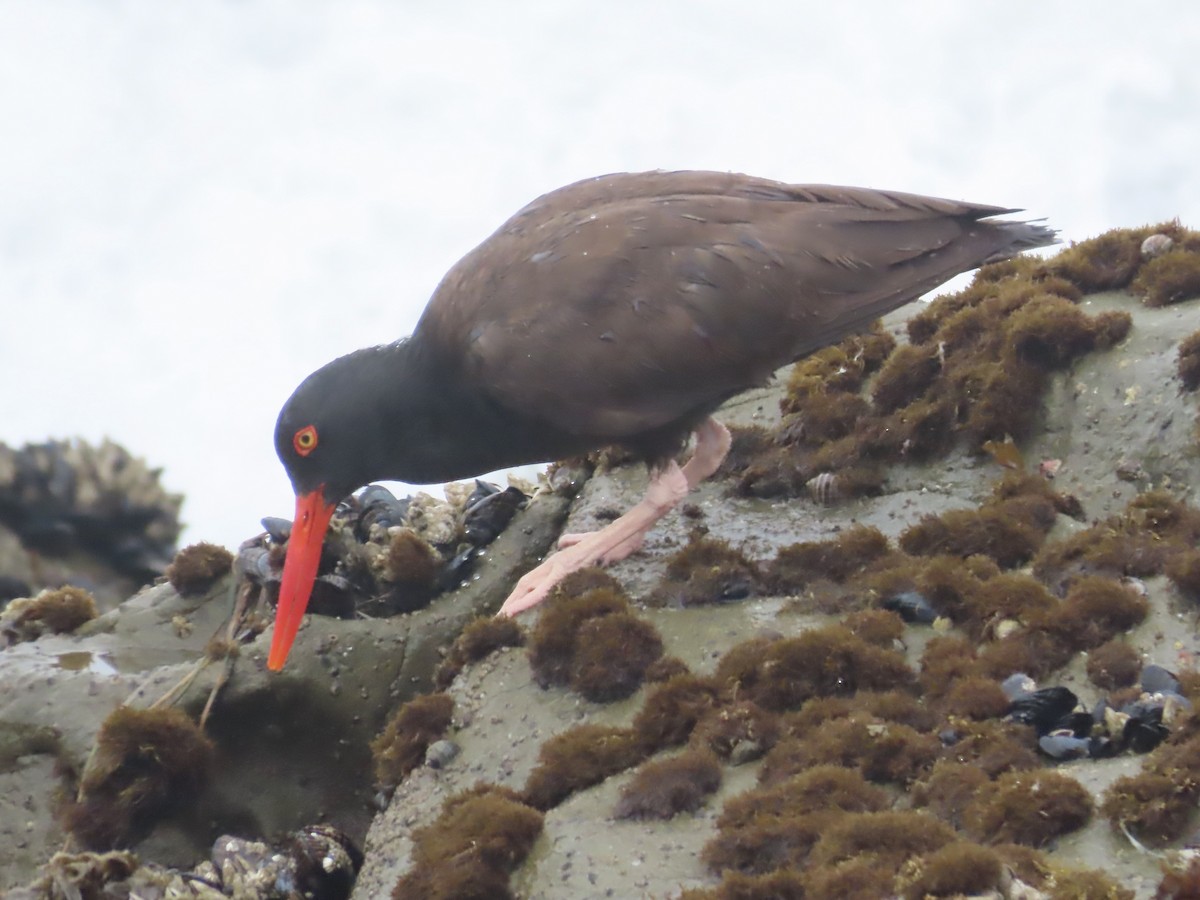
point(612, 542)
point(712, 446)
point(624, 536)
point(628, 548)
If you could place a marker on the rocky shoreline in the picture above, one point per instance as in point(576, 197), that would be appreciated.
point(293, 749)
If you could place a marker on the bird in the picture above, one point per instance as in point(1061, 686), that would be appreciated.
point(619, 310)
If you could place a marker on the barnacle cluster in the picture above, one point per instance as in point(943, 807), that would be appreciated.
point(317, 862)
point(62, 495)
point(385, 555)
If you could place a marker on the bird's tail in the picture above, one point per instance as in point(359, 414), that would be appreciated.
point(1022, 236)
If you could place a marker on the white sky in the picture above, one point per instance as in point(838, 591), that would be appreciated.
point(202, 202)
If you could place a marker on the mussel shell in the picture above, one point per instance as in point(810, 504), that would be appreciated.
point(568, 478)
point(333, 595)
point(1159, 707)
point(458, 569)
point(1144, 734)
point(1044, 709)
point(403, 597)
point(484, 518)
point(1064, 746)
point(279, 528)
point(1145, 727)
point(254, 563)
point(1147, 708)
point(325, 863)
point(737, 587)
point(481, 490)
point(1155, 679)
point(267, 571)
point(1078, 722)
point(1018, 685)
point(376, 505)
point(912, 607)
point(1103, 747)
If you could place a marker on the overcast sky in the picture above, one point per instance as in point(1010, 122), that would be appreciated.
point(202, 202)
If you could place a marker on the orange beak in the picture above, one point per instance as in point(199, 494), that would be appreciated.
point(299, 572)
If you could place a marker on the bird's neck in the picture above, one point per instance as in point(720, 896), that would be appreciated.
point(426, 426)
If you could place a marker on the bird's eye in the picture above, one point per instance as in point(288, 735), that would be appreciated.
point(304, 441)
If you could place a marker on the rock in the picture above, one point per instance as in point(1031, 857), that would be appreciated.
point(293, 746)
point(305, 730)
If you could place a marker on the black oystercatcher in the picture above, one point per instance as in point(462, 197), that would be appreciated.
point(620, 310)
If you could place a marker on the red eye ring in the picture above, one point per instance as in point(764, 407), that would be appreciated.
point(304, 441)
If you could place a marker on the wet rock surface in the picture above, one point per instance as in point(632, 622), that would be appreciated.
point(292, 749)
point(1110, 407)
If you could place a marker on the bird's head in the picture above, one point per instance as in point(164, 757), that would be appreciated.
point(318, 439)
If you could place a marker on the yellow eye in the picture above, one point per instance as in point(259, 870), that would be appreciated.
point(304, 441)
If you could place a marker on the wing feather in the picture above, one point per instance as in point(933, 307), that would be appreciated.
point(621, 304)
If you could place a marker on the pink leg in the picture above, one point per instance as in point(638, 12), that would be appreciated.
point(623, 536)
point(712, 445)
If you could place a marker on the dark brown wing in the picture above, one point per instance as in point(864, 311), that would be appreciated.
point(620, 304)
